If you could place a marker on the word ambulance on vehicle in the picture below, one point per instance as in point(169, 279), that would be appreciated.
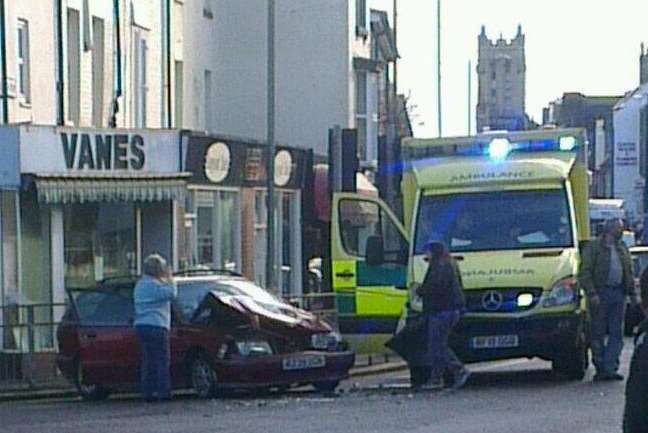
point(512, 207)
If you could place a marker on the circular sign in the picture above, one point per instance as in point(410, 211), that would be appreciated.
point(282, 167)
point(217, 162)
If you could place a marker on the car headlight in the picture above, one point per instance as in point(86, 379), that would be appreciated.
point(253, 348)
point(326, 341)
point(564, 292)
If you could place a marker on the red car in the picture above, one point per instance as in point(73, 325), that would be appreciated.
point(226, 333)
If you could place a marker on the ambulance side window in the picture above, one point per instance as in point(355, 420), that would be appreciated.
point(362, 219)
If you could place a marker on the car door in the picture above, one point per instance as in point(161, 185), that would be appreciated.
point(108, 352)
point(369, 252)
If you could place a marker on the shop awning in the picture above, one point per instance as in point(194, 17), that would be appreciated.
point(112, 187)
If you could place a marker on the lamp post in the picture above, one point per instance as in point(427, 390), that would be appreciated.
point(270, 146)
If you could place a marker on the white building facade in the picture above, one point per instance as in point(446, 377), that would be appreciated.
point(630, 152)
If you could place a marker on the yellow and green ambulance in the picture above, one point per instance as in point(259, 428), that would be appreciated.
point(512, 207)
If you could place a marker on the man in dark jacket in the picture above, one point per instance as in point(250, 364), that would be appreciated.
point(635, 419)
point(606, 275)
point(443, 302)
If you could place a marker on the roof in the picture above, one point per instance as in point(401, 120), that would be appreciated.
point(639, 92)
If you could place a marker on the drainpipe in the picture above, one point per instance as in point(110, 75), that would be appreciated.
point(60, 118)
point(117, 64)
point(3, 53)
point(168, 65)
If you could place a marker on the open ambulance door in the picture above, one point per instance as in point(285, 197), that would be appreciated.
point(369, 253)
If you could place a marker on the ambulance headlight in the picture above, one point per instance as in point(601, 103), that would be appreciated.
point(564, 292)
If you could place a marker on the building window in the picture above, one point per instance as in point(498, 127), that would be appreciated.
point(73, 67)
point(208, 102)
point(218, 230)
point(140, 82)
point(507, 66)
point(493, 75)
point(179, 83)
point(98, 77)
point(22, 60)
point(493, 92)
point(361, 112)
point(361, 18)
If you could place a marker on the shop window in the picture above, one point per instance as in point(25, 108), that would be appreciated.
point(100, 242)
point(23, 61)
point(10, 299)
point(218, 230)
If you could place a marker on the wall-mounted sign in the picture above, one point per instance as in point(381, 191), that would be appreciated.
point(50, 150)
point(282, 167)
point(227, 162)
point(217, 162)
point(103, 151)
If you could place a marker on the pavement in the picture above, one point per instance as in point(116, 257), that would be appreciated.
point(365, 366)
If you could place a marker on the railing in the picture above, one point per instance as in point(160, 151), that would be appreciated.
point(28, 346)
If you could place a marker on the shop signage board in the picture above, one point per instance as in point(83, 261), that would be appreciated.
point(69, 150)
point(227, 162)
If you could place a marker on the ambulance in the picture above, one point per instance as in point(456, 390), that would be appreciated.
point(512, 207)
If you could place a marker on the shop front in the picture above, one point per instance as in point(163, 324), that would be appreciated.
point(79, 206)
point(226, 219)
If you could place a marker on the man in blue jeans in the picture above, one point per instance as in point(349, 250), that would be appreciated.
point(153, 295)
point(607, 278)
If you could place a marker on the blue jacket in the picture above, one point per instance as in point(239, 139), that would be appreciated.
point(153, 302)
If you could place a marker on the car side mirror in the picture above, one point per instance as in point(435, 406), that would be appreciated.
point(375, 251)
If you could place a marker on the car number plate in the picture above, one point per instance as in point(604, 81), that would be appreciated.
point(495, 342)
point(304, 362)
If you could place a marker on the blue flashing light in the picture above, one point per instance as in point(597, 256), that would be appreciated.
point(499, 148)
point(567, 143)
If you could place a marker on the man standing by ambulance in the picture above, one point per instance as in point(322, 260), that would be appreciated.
point(606, 276)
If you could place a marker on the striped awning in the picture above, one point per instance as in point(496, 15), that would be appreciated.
point(112, 187)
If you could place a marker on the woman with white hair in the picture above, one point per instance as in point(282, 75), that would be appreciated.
point(153, 295)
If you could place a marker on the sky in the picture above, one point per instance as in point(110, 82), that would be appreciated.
point(587, 46)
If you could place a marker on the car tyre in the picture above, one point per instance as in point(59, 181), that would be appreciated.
point(572, 363)
point(203, 377)
point(88, 392)
point(326, 386)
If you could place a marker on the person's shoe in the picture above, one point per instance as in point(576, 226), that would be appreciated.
point(432, 385)
point(460, 378)
point(616, 376)
point(602, 377)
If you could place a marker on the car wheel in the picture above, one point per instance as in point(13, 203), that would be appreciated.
point(203, 377)
point(88, 392)
point(573, 362)
point(326, 386)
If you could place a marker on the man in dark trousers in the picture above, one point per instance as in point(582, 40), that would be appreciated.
point(606, 276)
point(635, 419)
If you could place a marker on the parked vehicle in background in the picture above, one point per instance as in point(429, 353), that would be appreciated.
point(226, 333)
point(602, 209)
point(634, 314)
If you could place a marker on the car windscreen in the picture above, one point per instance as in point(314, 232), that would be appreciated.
point(498, 220)
point(191, 294)
point(104, 307)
